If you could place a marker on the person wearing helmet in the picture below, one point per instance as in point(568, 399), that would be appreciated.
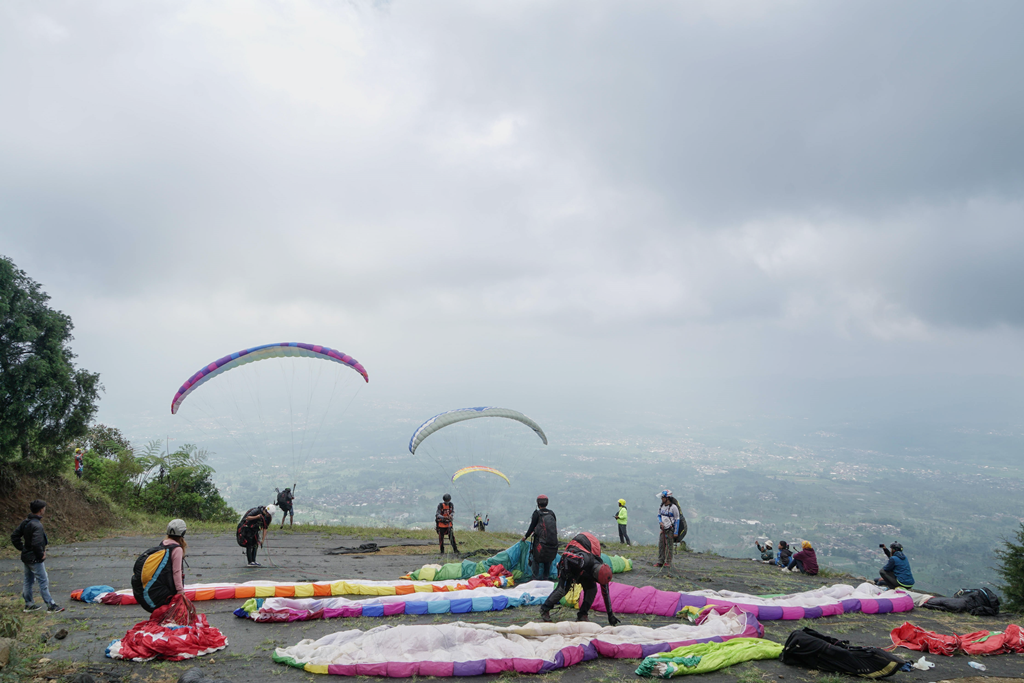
point(284, 502)
point(621, 516)
point(444, 522)
point(805, 561)
point(480, 522)
point(767, 554)
point(896, 572)
point(668, 520)
point(252, 530)
point(544, 529)
point(581, 563)
point(155, 580)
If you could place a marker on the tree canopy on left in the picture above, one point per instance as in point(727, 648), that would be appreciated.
point(45, 401)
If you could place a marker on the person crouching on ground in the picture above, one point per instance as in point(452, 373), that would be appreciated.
point(252, 530)
point(805, 561)
point(668, 520)
point(621, 517)
point(767, 554)
point(896, 572)
point(158, 576)
point(30, 538)
point(581, 563)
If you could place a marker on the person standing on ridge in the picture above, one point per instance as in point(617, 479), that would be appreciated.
point(479, 523)
point(79, 462)
point(544, 529)
point(284, 501)
point(30, 538)
point(581, 563)
point(252, 530)
point(444, 522)
point(668, 520)
point(621, 517)
point(896, 572)
point(155, 580)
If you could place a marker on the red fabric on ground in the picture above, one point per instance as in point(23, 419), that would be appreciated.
point(979, 643)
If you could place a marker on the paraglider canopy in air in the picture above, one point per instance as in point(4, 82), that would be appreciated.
point(264, 352)
point(479, 468)
point(452, 416)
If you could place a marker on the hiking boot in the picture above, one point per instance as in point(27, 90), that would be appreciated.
point(545, 616)
point(54, 607)
point(32, 607)
point(583, 617)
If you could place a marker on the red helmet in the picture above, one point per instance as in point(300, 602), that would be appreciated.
point(604, 574)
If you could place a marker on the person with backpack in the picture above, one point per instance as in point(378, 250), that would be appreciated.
point(284, 502)
point(767, 554)
point(621, 517)
point(805, 561)
point(252, 530)
point(581, 564)
point(544, 529)
point(79, 462)
point(30, 538)
point(668, 520)
point(896, 572)
point(784, 556)
point(444, 522)
point(157, 575)
point(480, 523)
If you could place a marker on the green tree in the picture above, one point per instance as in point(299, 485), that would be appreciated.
point(45, 401)
point(1011, 569)
point(186, 492)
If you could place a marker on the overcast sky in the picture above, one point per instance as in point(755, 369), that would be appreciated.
point(497, 199)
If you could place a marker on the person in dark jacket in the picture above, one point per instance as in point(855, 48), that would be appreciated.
point(30, 538)
point(252, 530)
point(444, 522)
point(284, 502)
point(805, 561)
point(544, 529)
point(581, 563)
point(785, 554)
point(896, 572)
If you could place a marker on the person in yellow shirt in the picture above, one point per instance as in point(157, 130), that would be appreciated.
point(621, 517)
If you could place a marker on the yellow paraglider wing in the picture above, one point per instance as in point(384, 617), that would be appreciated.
point(479, 468)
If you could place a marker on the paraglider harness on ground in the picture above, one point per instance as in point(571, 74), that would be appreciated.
point(813, 650)
point(153, 577)
point(981, 602)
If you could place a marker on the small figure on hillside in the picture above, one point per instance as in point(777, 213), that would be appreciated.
point(896, 572)
point(30, 538)
point(544, 529)
point(622, 516)
point(155, 580)
point(668, 520)
point(784, 556)
point(444, 522)
point(252, 530)
point(284, 501)
point(480, 523)
point(79, 462)
point(805, 561)
point(581, 563)
point(767, 554)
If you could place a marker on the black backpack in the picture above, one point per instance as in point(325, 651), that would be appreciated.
point(546, 533)
point(813, 650)
point(153, 577)
point(981, 602)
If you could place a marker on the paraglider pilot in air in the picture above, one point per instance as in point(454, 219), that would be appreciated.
point(581, 563)
point(444, 522)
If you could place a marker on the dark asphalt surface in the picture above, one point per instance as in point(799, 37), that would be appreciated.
point(299, 557)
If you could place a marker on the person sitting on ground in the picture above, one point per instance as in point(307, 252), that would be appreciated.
point(767, 554)
point(784, 555)
point(284, 501)
point(581, 563)
point(668, 520)
point(544, 529)
point(30, 538)
point(621, 517)
point(158, 576)
point(479, 523)
point(252, 530)
point(805, 561)
point(896, 572)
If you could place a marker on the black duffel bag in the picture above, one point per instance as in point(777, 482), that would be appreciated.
point(813, 650)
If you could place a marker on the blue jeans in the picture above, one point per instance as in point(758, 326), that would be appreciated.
point(36, 573)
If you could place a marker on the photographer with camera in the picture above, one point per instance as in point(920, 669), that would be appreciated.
point(896, 572)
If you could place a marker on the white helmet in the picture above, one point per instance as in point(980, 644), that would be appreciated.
point(176, 527)
point(271, 508)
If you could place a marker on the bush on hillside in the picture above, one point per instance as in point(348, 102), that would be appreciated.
point(186, 492)
point(1011, 569)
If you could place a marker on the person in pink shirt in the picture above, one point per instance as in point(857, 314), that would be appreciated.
point(176, 535)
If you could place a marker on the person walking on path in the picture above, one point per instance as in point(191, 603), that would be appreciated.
point(668, 519)
point(622, 517)
point(896, 572)
point(544, 529)
point(581, 563)
point(30, 538)
point(444, 522)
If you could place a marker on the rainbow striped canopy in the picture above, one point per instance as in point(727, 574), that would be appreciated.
point(262, 353)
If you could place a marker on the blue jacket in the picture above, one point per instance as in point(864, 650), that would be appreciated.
point(899, 566)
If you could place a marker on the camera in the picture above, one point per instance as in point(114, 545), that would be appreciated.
point(881, 545)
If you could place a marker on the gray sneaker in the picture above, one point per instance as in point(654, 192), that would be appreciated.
point(54, 607)
point(33, 607)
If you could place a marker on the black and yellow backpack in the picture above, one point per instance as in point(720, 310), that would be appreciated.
point(153, 577)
